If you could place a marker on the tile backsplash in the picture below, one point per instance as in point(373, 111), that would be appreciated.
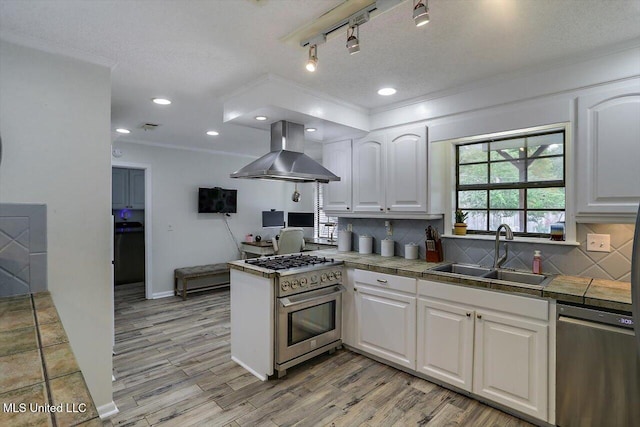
point(556, 259)
point(23, 249)
point(404, 231)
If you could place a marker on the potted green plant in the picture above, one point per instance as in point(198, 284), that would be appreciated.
point(460, 226)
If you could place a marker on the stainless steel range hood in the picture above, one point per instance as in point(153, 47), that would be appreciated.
point(286, 161)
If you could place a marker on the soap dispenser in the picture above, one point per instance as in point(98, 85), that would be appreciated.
point(537, 262)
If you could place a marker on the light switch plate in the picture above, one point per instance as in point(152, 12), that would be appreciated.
point(599, 242)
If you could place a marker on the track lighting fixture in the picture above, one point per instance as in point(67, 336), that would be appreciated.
point(353, 41)
point(312, 62)
point(420, 13)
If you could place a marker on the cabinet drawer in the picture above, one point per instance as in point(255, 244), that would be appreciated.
point(482, 298)
point(386, 281)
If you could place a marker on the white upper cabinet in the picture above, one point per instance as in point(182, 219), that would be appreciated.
point(395, 173)
point(607, 153)
point(336, 157)
point(406, 170)
point(368, 174)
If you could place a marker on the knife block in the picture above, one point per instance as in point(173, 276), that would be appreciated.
point(435, 254)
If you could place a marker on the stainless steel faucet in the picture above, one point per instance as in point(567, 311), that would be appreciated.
point(509, 236)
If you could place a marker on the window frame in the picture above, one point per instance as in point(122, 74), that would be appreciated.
point(319, 229)
point(566, 182)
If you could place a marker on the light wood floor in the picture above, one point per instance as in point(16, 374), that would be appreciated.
point(173, 367)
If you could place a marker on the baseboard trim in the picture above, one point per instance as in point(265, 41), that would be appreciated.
point(108, 410)
point(245, 366)
point(162, 294)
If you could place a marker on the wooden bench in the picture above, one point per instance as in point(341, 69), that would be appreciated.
point(217, 272)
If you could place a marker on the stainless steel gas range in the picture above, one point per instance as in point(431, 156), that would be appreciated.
point(308, 306)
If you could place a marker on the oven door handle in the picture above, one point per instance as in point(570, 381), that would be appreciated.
point(311, 296)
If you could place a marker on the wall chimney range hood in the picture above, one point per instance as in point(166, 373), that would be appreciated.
point(286, 161)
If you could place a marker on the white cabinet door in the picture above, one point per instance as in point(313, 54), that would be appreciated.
point(368, 174)
point(336, 157)
point(386, 324)
point(119, 188)
point(136, 188)
point(445, 342)
point(608, 149)
point(511, 365)
point(406, 170)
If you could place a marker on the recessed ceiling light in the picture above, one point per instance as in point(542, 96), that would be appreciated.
point(261, 118)
point(311, 129)
point(122, 130)
point(212, 133)
point(386, 91)
point(161, 101)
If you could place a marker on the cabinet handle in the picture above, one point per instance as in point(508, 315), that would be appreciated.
point(347, 207)
point(355, 289)
point(381, 281)
point(479, 316)
point(468, 314)
point(381, 209)
point(388, 209)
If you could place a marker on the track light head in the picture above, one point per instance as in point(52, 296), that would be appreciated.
point(312, 62)
point(420, 13)
point(353, 43)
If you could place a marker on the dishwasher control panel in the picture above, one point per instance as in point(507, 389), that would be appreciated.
point(589, 314)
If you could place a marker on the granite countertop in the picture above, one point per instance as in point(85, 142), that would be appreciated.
point(580, 290)
point(37, 366)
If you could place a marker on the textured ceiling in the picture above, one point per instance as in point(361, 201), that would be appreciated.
point(195, 52)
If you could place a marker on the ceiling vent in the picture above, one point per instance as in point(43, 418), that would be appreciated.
point(149, 126)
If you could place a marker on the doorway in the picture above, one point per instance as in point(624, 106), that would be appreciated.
point(131, 208)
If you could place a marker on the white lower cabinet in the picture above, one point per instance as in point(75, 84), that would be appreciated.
point(445, 342)
point(511, 362)
point(386, 316)
point(492, 344)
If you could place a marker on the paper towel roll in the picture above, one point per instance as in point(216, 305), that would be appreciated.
point(344, 241)
point(365, 244)
point(386, 248)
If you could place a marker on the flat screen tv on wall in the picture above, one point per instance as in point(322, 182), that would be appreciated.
point(217, 200)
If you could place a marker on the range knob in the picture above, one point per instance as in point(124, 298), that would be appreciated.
point(294, 284)
point(323, 278)
point(314, 279)
point(303, 282)
point(332, 276)
point(285, 286)
point(338, 275)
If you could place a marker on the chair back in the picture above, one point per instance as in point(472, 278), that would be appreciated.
point(291, 241)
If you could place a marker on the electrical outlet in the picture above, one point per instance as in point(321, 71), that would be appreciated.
point(599, 242)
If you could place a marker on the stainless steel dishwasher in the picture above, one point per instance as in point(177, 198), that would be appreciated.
point(598, 369)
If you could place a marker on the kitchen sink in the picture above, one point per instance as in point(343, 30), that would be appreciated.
point(463, 269)
point(518, 277)
point(505, 275)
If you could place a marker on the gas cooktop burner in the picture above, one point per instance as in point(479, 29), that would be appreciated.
point(288, 261)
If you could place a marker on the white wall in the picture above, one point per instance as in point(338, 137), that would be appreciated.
point(195, 238)
point(528, 97)
point(55, 120)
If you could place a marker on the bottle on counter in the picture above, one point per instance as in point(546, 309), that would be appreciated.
point(537, 262)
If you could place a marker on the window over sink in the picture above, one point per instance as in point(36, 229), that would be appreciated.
point(517, 179)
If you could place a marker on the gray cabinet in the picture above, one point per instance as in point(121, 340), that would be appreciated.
point(127, 188)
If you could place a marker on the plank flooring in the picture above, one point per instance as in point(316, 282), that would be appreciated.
point(173, 368)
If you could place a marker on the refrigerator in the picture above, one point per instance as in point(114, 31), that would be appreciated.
point(635, 282)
